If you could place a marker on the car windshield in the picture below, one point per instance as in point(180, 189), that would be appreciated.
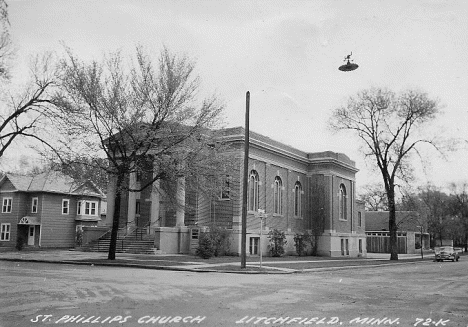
point(444, 249)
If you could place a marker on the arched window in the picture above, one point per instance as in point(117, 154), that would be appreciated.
point(342, 203)
point(298, 199)
point(278, 195)
point(253, 191)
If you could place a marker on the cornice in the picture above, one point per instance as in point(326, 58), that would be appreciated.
point(288, 154)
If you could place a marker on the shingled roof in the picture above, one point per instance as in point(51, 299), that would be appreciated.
point(378, 221)
point(51, 182)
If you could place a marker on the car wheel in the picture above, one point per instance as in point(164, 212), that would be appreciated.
point(458, 258)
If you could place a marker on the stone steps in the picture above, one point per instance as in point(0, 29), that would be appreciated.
point(137, 243)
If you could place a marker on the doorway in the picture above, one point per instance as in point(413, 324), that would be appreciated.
point(31, 234)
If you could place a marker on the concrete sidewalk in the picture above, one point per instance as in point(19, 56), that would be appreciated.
point(288, 264)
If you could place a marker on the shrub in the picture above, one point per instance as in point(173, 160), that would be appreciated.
point(205, 248)
point(300, 244)
point(79, 237)
point(220, 240)
point(214, 242)
point(302, 241)
point(277, 242)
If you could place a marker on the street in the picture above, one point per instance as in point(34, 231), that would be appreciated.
point(418, 294)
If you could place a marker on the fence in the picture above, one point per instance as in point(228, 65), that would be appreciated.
point(380, 243)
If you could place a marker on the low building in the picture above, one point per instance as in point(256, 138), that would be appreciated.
point(298, 191)
point(411, 234)
point(45, 210)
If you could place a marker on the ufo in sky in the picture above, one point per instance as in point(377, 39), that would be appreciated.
point(349, 66)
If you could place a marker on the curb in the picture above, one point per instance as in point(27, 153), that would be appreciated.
point(204, 270)
point(129, 265)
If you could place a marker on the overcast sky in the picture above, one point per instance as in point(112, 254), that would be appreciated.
point(286, 53)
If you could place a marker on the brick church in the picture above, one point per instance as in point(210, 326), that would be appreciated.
point(299, 192)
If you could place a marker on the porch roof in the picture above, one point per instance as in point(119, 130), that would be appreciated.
point(30, 220)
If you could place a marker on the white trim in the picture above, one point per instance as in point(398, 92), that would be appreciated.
point(68, 206)
point(6, 232)
point(34, 206)
point(10, 206)
point(84, 208)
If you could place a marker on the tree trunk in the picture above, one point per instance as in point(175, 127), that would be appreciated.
point(392, 226)
point(115, 218)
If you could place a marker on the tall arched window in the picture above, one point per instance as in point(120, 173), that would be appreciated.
point(342, 203)
point(253, 191)
point(298, 199)
point(278, 195)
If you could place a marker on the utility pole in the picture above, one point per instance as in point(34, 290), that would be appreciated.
point(246, 178)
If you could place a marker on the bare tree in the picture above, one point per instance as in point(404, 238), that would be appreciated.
point(374, 197)
point(24, 110)
point(144, 117)
point(6, 46)
point(460, 194)
point(27, 112)
point(390, 127)
point(439, 210)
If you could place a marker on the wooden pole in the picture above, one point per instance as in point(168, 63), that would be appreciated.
point(244, 189)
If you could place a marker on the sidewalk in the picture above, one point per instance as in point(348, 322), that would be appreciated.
point(288, 264)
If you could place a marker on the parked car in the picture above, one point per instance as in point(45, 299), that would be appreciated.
point(446, 253)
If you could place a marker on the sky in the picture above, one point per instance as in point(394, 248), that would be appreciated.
point(287, 54)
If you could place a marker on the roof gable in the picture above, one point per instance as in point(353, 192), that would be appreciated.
point(12, 182)
point(88, 188)
point(52, 181)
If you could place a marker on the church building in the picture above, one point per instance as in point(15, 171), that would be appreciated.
point(298, 191)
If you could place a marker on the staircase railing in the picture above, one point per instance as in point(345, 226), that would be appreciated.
point(123, 234)
point(138, 232)
point(103, 238)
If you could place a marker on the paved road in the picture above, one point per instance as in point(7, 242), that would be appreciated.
point(419, 294)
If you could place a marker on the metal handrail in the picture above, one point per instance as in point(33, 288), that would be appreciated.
point(106, 234)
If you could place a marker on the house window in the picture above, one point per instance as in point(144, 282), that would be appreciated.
point(342, 246)
point(88, 208)
point(65, 206)
point(254, 188)
point(34, 205)
point(226, 189)
point(347, 246)
point(342, 203)
point(359, 214)
point(7, 202)
point(298, 199)
point(253, 246)
point(360, 246)
point(5, 232)
point(278, 195)
point(91, 208)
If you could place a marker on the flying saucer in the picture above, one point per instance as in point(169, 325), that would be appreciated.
point(349, 66)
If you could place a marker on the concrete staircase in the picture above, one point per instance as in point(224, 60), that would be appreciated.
point(137, 241)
